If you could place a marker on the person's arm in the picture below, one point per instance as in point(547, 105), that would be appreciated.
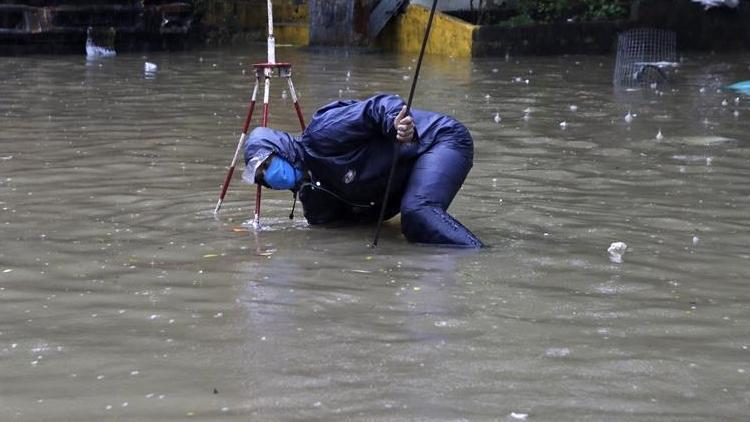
point(405, 130)
point(389, 113)
point(361, 121)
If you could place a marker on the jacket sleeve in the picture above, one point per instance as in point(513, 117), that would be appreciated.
point(356, 122)
point(381, 111)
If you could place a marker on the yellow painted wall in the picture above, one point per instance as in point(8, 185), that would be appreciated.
point(449, 36)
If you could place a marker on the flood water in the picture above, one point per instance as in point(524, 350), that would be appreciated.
point(123, 298)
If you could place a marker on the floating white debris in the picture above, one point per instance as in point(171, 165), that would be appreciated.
point(659, 136)
point(629, 117)
point(495, 70)
point(736, 100)
point(557, 352)
point(563, 125)
point(724, 102)
point(702, 90)
point(696, 239)
point(573, 108)
point(283, 94)
point(736, 113)
point(497, 118)
point(616, 250)
point(707, 4)
point(519, 416)
point(487, 96)
point(150, 67)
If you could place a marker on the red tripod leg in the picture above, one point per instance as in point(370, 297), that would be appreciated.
point(245, 127)
point(296, 103)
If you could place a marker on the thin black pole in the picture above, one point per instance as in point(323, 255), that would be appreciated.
point(408, 107)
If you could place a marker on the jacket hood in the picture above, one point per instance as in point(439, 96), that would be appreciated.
point(279, 142)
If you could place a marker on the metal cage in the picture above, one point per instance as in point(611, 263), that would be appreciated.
point(644, 56)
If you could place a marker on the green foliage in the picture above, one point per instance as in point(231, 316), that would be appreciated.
point(548, 11)
point(518, 20)
point(605, 10)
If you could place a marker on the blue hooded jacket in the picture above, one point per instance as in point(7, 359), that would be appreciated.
point(346, 154)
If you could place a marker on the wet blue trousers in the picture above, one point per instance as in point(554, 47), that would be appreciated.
point(436, 177)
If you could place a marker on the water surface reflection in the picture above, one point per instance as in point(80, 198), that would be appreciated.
point(123, 298)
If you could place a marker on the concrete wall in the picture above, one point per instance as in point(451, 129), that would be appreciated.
point(562, 38)
point(339, 22)
point(449, 36)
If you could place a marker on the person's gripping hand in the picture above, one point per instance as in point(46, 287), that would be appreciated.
point(404, 126)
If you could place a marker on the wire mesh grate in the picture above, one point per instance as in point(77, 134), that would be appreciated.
point(644, 56)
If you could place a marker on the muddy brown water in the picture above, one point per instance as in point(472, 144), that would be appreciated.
point(123, 298)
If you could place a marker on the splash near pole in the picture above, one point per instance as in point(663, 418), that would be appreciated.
point(283, 70)
point(267, 71)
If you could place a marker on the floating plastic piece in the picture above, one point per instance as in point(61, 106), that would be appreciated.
point(616, 250)
point(742, 87)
